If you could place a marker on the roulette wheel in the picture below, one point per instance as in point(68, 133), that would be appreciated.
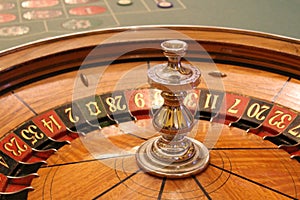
point(75, 110)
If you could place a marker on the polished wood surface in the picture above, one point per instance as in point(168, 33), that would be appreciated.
point(268, 51)
point(242, 166)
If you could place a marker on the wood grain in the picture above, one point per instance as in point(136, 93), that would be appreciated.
point(29, 62)
point(54, 91)
point(13, 112)
point(290, 94)
point(247, 168)
point(102, 164)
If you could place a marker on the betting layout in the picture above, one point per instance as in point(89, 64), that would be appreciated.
point(25, 149)
point(31, 18)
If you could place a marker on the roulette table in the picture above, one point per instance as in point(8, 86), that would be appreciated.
point(75, 109)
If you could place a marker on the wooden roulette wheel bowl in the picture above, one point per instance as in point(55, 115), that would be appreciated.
point(79, 132)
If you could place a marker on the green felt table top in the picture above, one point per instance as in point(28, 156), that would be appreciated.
point(22, 22)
